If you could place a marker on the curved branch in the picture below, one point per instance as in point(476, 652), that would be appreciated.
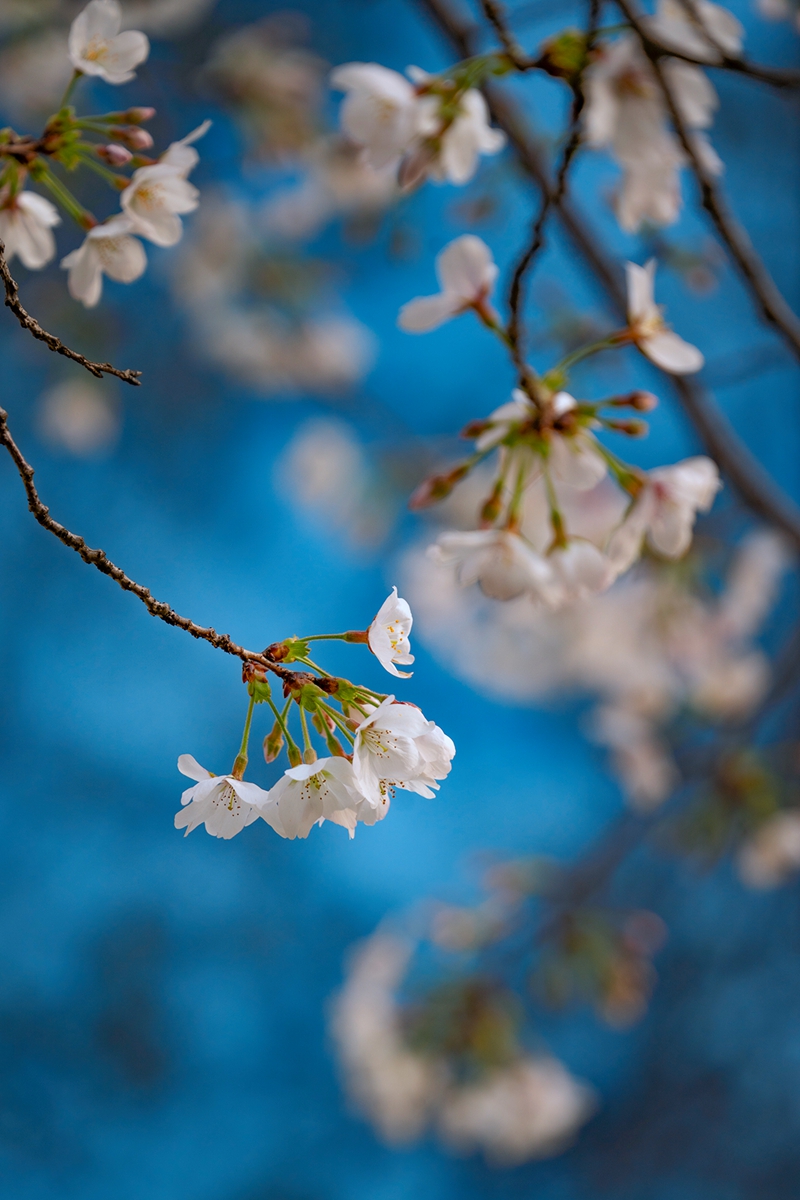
point(747, 475)
point(761, 284)
point(100, 560)
point(50, 340)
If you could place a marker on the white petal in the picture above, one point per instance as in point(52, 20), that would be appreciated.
point(640, 282)
point(428, 312)
point(466, 268)
point(188, 765)
point(670, 352)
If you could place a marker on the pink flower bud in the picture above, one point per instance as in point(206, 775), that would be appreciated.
point(116, 156)
point(137, 115)
point(135, 138)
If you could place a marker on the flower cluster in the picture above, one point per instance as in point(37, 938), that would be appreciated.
point(427, 126)
point(388, 743)
point(627, 114)
point(153, 197)
point(544, 434)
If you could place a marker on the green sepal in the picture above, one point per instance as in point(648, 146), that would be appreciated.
point(260, 690)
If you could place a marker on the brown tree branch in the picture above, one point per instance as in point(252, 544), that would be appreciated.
point(100, 560)
point(50, 340)
point(758, 279)
point(551, 197)
point(742, 469)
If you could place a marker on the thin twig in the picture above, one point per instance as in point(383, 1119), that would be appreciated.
point(742, 469)
point(495, 14)
point(762, 287)
point(100, 560)
point(50, 340)
point(551, 197)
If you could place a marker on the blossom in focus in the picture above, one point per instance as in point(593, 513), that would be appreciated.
point(665, 510)
point(648, 328)
point(158, 193)
point(466, 273)
point(379, 112)
point(530, 1109)
point(324, 790)
point(772, 854)
point(96, 46)
point(221, 802)
point(625, 113)
point(388, 634)
point(181, 155)
point(108, 249)
point(500, 561)
point(26, 225)
point(702, 31)
point(396, 746)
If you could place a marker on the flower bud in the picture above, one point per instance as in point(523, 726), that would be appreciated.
point(273, 743)
point(115, 156)
point(138, 114)
point(309, 755)
point(135, 138)
point(638, 400)
point(630, 428)
point(295, 757)
point(437, 487)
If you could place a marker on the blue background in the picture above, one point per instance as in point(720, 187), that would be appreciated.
point(162, 1000)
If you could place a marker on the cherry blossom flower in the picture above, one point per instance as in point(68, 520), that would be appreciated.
point(580, 570)
point(530, 1109)
point(702, 31)
point(396, 746)
point(379, 112)
point(108, 249)
point(665, 510)
point(501, 562)
point(574, 458)
point(650, 332)
point(772, 854)
point(157, 194)
point(499, 424)
point(325, 790)
point(96, 46)
point(466, 272)
point(463, 141)
point(26, 225)
point(221, 802)
point(388, 635)
point(625, 112)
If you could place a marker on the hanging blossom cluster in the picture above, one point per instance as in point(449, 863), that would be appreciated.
point(545, 433)
point(375, 743)
point(152, 198)
point(451, 1061)
point(626, 112)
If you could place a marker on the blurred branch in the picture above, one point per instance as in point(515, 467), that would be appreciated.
point(747, 475)
point(100, 560)
point(50, 340)
point(551, 197)
point(769, 299)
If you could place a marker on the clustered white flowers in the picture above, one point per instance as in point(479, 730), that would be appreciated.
point(152, 200)
point(430, 126)
point(392, 746)
point(627, 114)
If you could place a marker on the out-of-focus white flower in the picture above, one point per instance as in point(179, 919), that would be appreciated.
point(466, 272)
point(463, 141)
point(26, 228)
point(96, 46)
point(772, 854)
point(702, 31)
point(574, 458)
point(642, 758)
point(580, 571)
point(108, 249)
point(779, 10)
point(665, 511)
point(499, 424)
point(380, 110)
point(501, 562)
point(396, 746)
point(752, 583)
point(79, 417)
point(625, 112)
point(389, 634)
point(650, 332)
point(393, 1087)
point(531, 1109)
point(325, 790)
point(221, 802)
